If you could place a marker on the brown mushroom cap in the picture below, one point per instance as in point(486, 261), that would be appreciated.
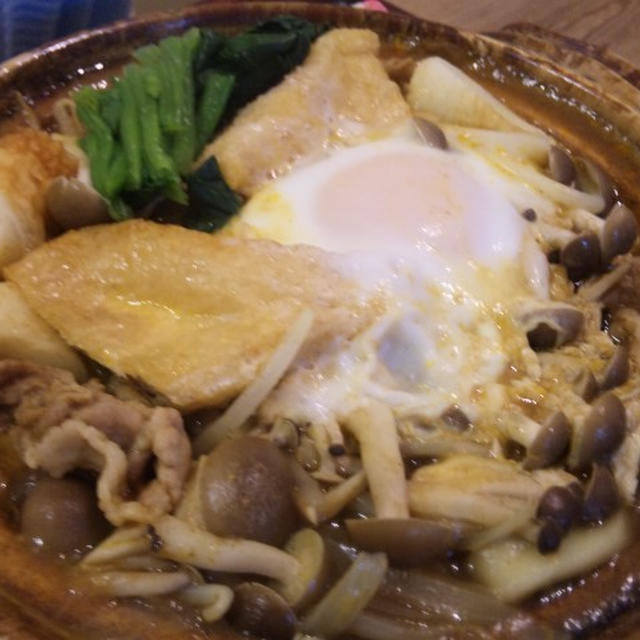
point(62, 516)
point(73, 204)
point(246, 489)
point(561, 165)
point(582, 256)
point(601, 498)
point(430, 133)
point(586, 386)
point(260, 611)
point(618, 233)
point(593, 178)
point(455, 418)
point(550, 444)
point(601, 434)
point(551, 326)
point(617, 371)
point(550, 536)
point(560, 504)
point(406, 541)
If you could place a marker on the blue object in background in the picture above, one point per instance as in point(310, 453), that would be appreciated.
point(26, 24)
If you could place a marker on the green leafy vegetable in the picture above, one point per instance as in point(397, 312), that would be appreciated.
point(144, 133)
point(265, 54)
point(215, 94)
point(211, 201)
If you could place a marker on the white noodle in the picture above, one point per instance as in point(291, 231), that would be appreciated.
point(251, 398)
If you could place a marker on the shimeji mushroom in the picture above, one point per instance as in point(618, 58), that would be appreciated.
point(144, 584)
point(601, 240)
point(601, 497)
point(561, 504)
point(595, 288)
point(261, 611)
point(430, 133)
point(617, 370)
point(72, 204)
point(406, 541)
point(586, 385)
point(545, 443)
point(600, 434)
point(598, 242)
point(592, 179)
point(479, 491)
point(561, 165)
point(375, 429)
point(298, 571)
point(513, 569)
point(550, 324)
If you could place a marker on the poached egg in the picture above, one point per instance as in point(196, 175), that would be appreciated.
point(434, 232)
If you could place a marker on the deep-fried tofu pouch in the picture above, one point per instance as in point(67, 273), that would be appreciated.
point(340, 95)
point(194, 316)
point(28, 160)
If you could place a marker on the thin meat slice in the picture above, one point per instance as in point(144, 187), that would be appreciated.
point(61, 425)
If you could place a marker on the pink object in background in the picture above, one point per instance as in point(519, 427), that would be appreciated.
point(371, 5)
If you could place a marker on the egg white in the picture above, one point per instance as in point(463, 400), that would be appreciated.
point(435, 232)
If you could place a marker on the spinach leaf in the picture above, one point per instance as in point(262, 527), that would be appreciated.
point(211, 201)
point(144, 133)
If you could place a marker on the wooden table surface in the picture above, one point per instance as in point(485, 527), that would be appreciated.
point(611, 23)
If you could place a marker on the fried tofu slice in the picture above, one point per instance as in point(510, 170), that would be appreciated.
point(28, 161)
point(193, 316)
point(341, 95)
point(25, 336)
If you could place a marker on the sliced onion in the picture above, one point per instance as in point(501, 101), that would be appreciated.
point(376, 627)
point(340, 607)
point(425, 597)
point(250, 399)
point(413, 604)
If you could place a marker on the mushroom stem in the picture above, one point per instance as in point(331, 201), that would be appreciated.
point(597, 287)
point(213, 600)
point(551, 324)
point(545, 443)
point(188, 545)
point(341, 495)
point(252, 396)
point(513, 570)
point(125, 541)
point(129, 584)
point(375, 429)
point(522, 429)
